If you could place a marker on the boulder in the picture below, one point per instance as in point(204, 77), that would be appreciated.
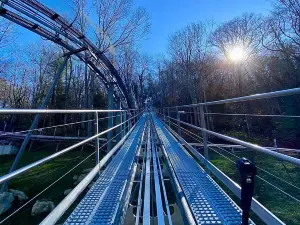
point(80, 178)
point(66, 192)
point(19, 194)
point(86, 171)
point(42, 206)
point(6, 199)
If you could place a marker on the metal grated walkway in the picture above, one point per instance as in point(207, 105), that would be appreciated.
point(102, 203)
point(208, 203)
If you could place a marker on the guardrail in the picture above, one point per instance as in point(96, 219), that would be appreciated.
point(195, 120)
point(46, 159)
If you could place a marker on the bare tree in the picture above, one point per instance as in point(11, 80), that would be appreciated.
point(242, 31)
point(6, 39)
point(282, 32)
point(189, 47)
point(119, 24)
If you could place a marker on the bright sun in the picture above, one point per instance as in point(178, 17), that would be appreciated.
point(237, 54)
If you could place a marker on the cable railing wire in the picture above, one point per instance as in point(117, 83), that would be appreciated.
point(273, 175)
point(274, 186)
point(48, 158)
point(57, 180)
point(55, 126)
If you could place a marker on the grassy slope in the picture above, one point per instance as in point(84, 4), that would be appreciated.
point(284, 207)
point(278, 203)
point(40, 177)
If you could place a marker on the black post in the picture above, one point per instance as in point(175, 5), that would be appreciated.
point(247, 171)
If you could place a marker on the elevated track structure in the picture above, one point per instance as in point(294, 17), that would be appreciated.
point(150, 174)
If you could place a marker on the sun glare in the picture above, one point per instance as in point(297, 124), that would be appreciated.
point(237, 54)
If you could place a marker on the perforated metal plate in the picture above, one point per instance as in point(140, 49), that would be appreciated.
point(103, 200)
point(208, 202)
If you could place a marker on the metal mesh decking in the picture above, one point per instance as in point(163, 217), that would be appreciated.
point(101, 203)
point(208, 203)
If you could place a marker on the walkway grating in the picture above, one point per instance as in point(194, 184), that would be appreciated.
point(102, 202)
point(208, 203)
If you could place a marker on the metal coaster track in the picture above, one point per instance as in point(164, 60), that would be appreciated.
point(45, 22)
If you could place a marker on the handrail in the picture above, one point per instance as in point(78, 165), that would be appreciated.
point(51, 111)
point(46, 159)
point(61, 208)
point(287, 158)
point(263, 213)
point(245, 98)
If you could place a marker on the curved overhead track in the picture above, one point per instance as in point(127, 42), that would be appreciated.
point(43, 21)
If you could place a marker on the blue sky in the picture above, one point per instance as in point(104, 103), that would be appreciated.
point(168, 16)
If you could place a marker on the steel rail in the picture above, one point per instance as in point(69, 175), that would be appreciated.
point(55, 126)
point(57, 180)
point(146, 208)
point(232, 146)
point(139, 203)
point(221, 148)
point(180, 196)
point(61, 208)
point(262, 212)
point(159, 207)
point(56, 25)
point(273, 94)
point(290, 159)
point(164, 192)
point(51, 111)
point(251, 115)
point(48, 158)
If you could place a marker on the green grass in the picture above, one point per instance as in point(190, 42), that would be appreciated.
point(42, 176)
point(284, 207)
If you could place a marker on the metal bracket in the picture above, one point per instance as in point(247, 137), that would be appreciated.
point(75, 51)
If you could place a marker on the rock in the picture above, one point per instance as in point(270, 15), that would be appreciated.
point(80, 178)
point(66, 192)
point(42, 206)
point(87, 170)
point(75, 177)
point(19, 194)
point(6, 198)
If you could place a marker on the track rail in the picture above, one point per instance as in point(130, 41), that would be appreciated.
point(38, 18)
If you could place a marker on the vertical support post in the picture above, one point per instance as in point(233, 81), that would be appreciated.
point(36, 119)
point(169, 117)
point(129, 120)
point(204, 134)
point(164, 114)
point(97, 139)
point(178, 122)
point(118, 120)
point(134, 120)
point(110, 123)
point(124, 125)
point(121, 127)
point(90, 102)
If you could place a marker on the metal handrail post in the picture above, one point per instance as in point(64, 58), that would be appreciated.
point(121, 119)
point(169, 117)
point(124, 126)
point(110, 114)
point(178, 122)
point(129, 121)
point(97, 139)
point(118, 120)
point(204, 134)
